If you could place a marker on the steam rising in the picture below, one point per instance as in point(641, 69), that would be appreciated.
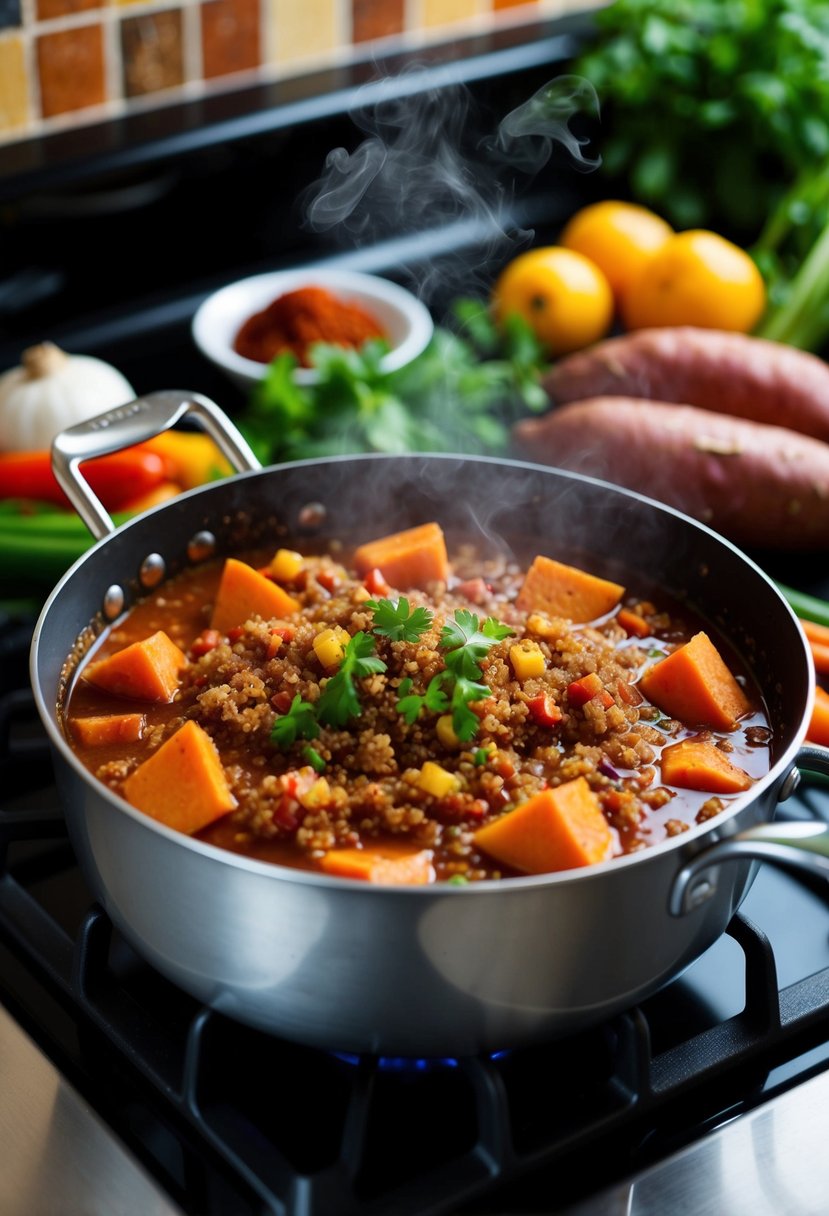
point(425, 163)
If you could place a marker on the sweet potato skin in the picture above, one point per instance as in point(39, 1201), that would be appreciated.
point(762, 486)
point(728, 373)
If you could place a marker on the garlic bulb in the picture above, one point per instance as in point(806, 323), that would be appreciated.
point(52, 391)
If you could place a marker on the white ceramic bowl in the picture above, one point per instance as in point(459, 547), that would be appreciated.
point(218, 319)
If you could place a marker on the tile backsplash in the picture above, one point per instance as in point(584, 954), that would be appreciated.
point(70, 62)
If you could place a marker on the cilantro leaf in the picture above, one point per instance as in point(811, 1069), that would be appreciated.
point(314, 758)
point(468, 642)
point(298, 723)
point(399, 621)
point(434, 699)
point(465, 721)
point(340, 701)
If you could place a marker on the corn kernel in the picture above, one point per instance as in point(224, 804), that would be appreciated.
point(436, 780)
point(330, 644)
point(445, 731)
point(527, 660)
point(543, 627)
point(286, 565)
point(318, 795)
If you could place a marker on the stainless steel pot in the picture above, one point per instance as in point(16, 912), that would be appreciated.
point(431, 970)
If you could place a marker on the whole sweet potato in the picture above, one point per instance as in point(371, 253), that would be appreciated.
point(728, 373)
point(762, 486)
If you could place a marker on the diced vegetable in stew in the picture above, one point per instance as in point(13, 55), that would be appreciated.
point(406, 713)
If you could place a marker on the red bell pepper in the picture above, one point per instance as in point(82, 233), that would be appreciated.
point(584, 690)
point(117, 479)
point(544, 711)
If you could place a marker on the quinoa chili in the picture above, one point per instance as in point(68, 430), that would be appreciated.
point(401, 721)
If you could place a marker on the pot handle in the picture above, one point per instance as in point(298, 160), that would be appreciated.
point(136, 422)
point(796, 846)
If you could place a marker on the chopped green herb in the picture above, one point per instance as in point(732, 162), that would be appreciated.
point(467, 642)
point(399, 621)
point(314, 758)
point(340, 700)
point(299, 722)
point(458, 880)
point(434, 699)
point(465, 721)
point(481, 756)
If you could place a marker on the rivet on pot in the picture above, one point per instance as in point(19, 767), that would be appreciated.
point(312, 516)
point(699, 893)
point(790, 783)
point(201, 546)
point(113, 601)
point(153, 569)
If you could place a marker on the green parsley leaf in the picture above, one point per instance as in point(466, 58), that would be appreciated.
point(465, 722)
point(314, 758)
point(434, 699)
point(298, 723)
point(340, 701)
point(398, 621)
point(457, 880)
point(481, 756)
point(468, 642)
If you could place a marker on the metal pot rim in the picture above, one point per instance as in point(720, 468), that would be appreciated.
point(717, 828)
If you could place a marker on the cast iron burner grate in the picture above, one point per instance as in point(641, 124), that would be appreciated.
point(232, 1120)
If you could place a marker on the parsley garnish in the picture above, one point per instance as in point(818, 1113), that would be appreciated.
point(398, 621)
point(314, 758)
point(481, 756)
point(466, 642)
point(298, 723)
point(339, 701)
point(411, 703)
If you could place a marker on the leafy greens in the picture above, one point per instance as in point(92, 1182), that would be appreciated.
point(462, 394)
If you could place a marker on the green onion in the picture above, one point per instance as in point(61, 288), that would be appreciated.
point(808, 607)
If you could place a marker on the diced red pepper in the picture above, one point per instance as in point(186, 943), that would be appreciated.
point(287, 814)
point(473, 589)
point(375, 584)
point(238, 631)
point(329, 580)
point(280, 635)
point(207, 640)
point(585, 689)
point(544, 711)
point(281, 701)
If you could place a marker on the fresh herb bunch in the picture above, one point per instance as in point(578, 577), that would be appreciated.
point(711, 108)
point(461, 395)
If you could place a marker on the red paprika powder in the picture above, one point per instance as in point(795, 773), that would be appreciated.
point(297, 319)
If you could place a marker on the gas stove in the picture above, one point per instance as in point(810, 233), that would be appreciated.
point(121, 1093)
point(202, 1115)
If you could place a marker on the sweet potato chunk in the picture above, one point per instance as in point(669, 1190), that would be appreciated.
point(147, 671)
point(103, 729)
point(413, 558)
point(556, 829)
point(244, 592)
point(694, 764)
point(183, 784)
point(399, 868)
point(559, 590)
point(694, 685)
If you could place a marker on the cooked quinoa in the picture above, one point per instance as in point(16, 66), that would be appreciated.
point(362, 782)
